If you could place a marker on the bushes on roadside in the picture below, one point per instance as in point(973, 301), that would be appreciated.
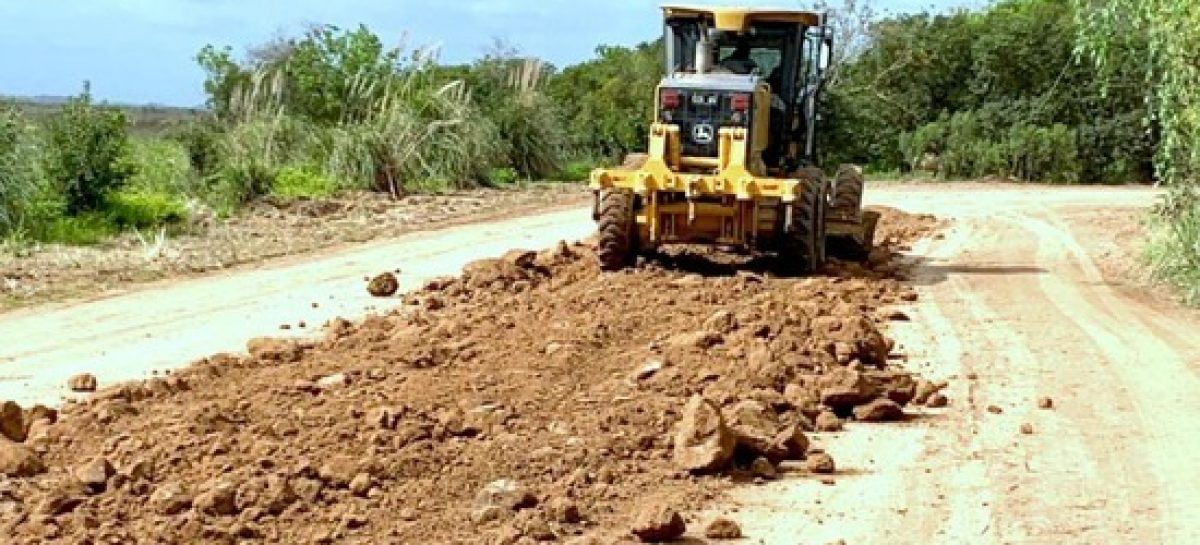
point(84, 145)
point(20, 179)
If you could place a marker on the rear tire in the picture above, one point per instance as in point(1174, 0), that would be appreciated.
point(617, 229)
point(847, 191)
point(804, 247)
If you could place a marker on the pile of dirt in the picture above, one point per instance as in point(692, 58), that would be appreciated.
point(532, 398)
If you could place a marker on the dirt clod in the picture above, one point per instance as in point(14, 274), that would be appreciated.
point(828, 422)
point(170, 499)
point(995, 409)
point(12, 422)
point(83, 382)
point(17, 460)
point(820, 463)
point(703, 442)
point(383, 285)
point(1027, 429)
point(1045, 403)
point(506, 494)
point(762, 467)
point(659, 525)
point(880, 410)
point(94, 475)
point(723, 528)
point(937, 401)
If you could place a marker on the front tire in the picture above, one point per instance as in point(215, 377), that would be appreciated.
point(617, 228)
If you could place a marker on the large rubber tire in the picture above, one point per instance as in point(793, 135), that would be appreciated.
point(847, 191)
point(617, 227)
point(804, 247)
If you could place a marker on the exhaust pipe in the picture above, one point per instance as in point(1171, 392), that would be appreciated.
point(703, 53)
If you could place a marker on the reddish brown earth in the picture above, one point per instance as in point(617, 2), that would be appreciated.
point(531, 399)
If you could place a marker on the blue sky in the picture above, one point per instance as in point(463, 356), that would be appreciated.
point(141, 51)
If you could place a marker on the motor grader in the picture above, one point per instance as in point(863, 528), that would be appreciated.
point(732, 156)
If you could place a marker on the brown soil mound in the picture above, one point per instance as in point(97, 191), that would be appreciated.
point(532, 398)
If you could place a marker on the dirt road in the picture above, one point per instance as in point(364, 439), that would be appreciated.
point(1014, 308)
point(167, 325)
point(1015, 305)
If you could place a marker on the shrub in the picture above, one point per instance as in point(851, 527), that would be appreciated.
point(84, 144)
point(502, 176)
point(579, 170)
point(158, 165)
point(302, 183)
point(144, 209)
point(1174, 247)
point(201, 141)
point(20, 179)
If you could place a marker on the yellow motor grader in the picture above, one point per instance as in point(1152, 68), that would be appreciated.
point(732, 154)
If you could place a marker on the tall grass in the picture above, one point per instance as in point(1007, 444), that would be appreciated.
point(20, 180)
point(1174, 247)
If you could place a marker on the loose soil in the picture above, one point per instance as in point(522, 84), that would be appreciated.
point(264, 230)
point(531, 398)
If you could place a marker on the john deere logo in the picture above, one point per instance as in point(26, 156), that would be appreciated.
point(702, 133)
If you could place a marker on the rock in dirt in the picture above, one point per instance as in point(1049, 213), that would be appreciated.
point(1027, 429)
point(1045, 403)
point(880, 410)
point(842, 389)
point(272, 494)
point(19, 461)
point(828, 422)
point(170, 499)
point(924, 390)
point(793, 440)
point(94, 475)
point(520, 258)
point(762, 467)
point(659, 525)
point(995, 409)
point(755, 427)
point(820, 463)
point(274, 350)
point(220, 499)
point(83, 382)
point(361, 484)
point(338, 471)
point(336, 380)
point(648, 370)
point(937, 401)
point(723, 528)
point(697, 339)
point(564, 511)
point(703, 442)
point(12, 422)
point(721, 321)
point(383, 285)
point(507, 494)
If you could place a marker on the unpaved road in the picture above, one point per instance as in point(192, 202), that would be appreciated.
point(1014, 307)
point(170, 324)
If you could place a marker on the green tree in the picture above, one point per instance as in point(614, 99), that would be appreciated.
point(608, 102)
point(84, 145)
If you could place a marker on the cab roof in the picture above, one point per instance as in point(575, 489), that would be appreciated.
point(740, 19)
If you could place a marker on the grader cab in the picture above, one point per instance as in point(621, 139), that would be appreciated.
point(732, 155)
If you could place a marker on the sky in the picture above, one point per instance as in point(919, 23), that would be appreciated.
point(142, 51)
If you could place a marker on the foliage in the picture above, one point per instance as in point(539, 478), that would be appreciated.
point(501, 176)
point(158, 165)
point(20, 178)
point(608, 101)
point(200, 139)
point(142, 209)
point(84, 145)
point(510, 92)
point(302, 183)
point(1170, 76)
point(1006, 78)
point(578, 170)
